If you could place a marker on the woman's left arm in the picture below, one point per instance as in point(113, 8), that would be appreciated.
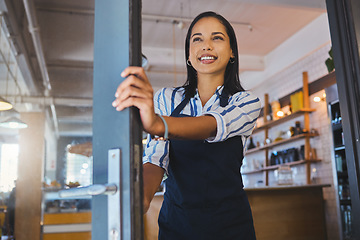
point(237, 118)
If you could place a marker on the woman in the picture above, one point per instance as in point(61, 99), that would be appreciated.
point(202, 127)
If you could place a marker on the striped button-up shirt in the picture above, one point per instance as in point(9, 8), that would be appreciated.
point(236, 119)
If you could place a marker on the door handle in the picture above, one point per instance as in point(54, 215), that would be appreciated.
point(92, 190)
point(111, 189)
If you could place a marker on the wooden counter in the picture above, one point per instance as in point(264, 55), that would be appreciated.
point(288, 212)
point(281, 212)
point(67, 226)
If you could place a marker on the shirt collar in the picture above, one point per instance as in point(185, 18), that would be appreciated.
point(218, 91)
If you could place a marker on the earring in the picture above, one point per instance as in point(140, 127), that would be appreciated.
point(232, 60)
point(188, 62)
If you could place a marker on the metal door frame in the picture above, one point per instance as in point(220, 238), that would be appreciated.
point(117, 44)
point(344, 21)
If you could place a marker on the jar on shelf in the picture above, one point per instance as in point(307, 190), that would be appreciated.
point(298, 130)
point(284, 175)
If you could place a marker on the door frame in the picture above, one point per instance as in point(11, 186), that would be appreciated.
point(344, 22)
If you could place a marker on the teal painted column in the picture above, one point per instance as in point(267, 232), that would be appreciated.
point(113, 51)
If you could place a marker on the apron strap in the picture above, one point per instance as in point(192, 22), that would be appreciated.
point(180, 107)
point(224, 100)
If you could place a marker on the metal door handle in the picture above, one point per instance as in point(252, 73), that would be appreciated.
point(92, 190)
point(112, 189)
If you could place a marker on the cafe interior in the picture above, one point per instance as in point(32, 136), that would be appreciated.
point(294, 171)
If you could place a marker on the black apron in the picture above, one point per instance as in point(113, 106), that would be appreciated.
point(204, 196)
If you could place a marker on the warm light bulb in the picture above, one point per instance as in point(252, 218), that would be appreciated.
point(4, 105)
point(280, 113)
point(317, 99)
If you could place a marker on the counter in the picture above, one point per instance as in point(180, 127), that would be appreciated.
point(69, 226)
point(281, 212)
point(288, 212)
point(66, 218)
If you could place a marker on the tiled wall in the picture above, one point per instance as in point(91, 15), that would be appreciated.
point(281, 84)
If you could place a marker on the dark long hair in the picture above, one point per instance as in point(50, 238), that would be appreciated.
point(231, 79)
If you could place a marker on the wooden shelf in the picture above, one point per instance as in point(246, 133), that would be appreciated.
point(253, 171)
point(287, 140)
point(284, 119)
point(274, 167)
point(303, 112)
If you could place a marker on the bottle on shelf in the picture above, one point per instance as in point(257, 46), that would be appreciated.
point(251, 144)
point(339, 163)
point(346, 220)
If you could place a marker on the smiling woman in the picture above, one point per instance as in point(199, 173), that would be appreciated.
point(207, 121)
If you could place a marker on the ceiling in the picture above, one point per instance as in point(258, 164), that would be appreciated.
point(53, 40)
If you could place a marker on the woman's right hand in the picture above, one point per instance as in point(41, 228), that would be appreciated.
point(137, 91)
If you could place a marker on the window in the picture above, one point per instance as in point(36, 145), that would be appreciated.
point(8, 166)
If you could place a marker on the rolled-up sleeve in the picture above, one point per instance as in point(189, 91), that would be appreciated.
point(237, 118)
point(157, 152)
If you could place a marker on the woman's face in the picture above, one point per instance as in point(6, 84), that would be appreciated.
point(210, 50)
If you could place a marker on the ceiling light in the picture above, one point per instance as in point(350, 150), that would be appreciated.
point(14, 123)
point(5, 105)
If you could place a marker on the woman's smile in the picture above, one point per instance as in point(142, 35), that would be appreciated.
point(207, 58)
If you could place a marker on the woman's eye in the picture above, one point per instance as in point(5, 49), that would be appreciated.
point(218, 38)
point(196, 39)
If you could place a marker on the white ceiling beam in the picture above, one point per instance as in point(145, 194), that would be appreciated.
point(70, 129)
point(35, 34)
point(18, 39)
point(69, 64)
point(47, 101)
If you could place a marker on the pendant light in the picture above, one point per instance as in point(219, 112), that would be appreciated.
point(14, 123)
point(5, 105)
point(12, 120)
